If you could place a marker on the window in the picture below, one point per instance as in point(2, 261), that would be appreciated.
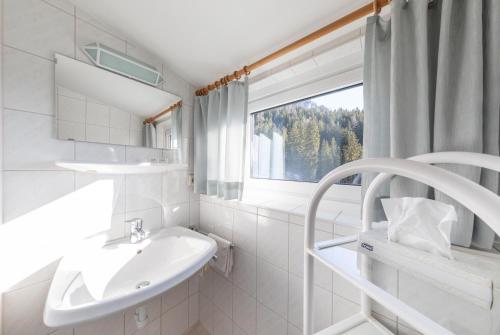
point(306, 139)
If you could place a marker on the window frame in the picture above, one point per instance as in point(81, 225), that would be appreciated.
point(349, 193)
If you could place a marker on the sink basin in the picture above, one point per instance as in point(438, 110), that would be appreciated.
point(98, 280)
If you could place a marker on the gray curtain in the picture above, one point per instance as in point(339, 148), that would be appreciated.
point(149, 135)
point(432, 83)
point(219, 131)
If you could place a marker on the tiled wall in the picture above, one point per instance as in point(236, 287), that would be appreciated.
point(263, 295)
point(38, 196)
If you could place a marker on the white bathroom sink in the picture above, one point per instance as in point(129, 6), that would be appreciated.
point(95, 281)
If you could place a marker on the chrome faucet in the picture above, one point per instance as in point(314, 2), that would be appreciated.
point(137, 234)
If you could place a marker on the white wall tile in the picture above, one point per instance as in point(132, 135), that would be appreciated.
point(28, 82)
point(175, 188)
point(64, 91)
point(223, 224)
point(292, 330)
point(205, 216)
point(223, 294)
point(194, 309)
point(344, 289)
point(206, 283)
point(245, 271)
point(174, 296)
point(322, 275)
point(63, 5)
point(117, 228)
point(143, 191)
point(272, 287)
point(151, 219)
point(24, 310)
point(70, 131)
point(29, 190)
point(245, 311)
point(176, 215)
point(322, 305)
point(97, 114)
point(237, 330)
point(272, 241)
point(118, 136)
point(96, 134)
point(222, 323)
point(119, 119)
point(175, 321)
point(70, 109)
point(152, 328)
point(269, 323)
point(99, 153)
point(194, 284)
point(273, 214)
point(89, 18)
point(30, 143)
point(206, 313)
point(245, 231)
point(38, 28)
point(343, 309)
point(136, 122)
point(153, 311)
point(118, 181)
point(135, 137)
point(140, 155)
point(66, 331)
point(110, 325)
point(194, 214)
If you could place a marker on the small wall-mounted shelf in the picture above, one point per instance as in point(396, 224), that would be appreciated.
point(120, 168)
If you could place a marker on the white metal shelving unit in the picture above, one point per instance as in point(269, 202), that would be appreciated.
point(355, 267)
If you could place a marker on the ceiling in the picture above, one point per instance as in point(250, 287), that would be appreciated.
point(204, 40)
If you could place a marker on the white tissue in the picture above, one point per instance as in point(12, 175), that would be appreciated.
point(420, 223)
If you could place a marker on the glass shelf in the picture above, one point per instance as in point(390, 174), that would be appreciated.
point(120, 168)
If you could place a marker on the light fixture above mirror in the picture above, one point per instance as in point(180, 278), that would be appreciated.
point(118, 62)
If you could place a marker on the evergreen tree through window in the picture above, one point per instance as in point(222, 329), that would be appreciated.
point(306, 139)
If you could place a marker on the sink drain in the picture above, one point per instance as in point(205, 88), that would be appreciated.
point(142, 284)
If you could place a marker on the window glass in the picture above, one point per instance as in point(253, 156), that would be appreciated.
point(306, 139)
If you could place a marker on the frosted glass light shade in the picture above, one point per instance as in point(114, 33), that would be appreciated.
point(116, 61)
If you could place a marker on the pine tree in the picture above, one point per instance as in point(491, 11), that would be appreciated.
point(326, 160)
point(311, 148)
point(294, 149)
point(352, 149)
point(337, 157)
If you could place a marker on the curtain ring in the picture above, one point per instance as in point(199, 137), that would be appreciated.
point(228, 79)
point(246, 70)
point(237, 75)
point(376, 7)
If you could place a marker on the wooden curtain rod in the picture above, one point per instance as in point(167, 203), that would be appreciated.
point(359, 13)
point(166, 111)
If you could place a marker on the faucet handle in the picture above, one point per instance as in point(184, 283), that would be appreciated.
point(135, 224)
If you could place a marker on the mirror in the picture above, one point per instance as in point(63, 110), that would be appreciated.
point(96, 105)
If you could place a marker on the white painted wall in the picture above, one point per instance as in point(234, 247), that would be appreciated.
point(33, 30)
